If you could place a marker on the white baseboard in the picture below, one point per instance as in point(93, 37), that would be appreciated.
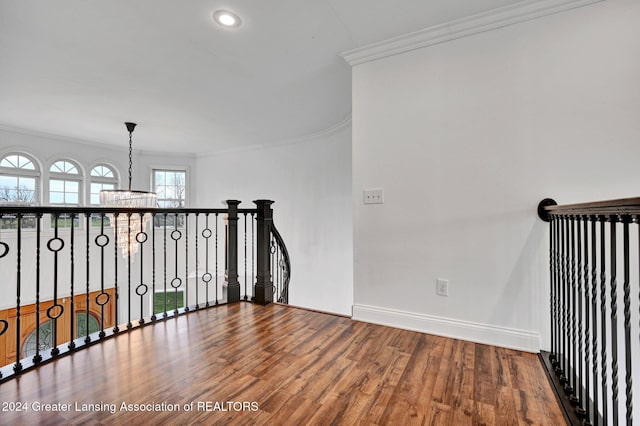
point(464, 330)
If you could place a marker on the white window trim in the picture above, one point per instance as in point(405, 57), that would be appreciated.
point(174, 168)
point(37, 173)
point(100, 179)
point(68, 177)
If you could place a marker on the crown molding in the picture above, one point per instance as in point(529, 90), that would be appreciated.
point(45, 135)
point(90, 142)
point(522, 11)
point(345, 122)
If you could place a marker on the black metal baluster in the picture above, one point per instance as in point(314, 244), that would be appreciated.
point(186, 262)
point(103, 298)
point(72, 314)
point(614, 322)
point(594, 319)
point(637, 218)
point(603, 318)
point(197, 261)
point(627, 320)
point(587, 330)
point(18, 365)
point(4, 324)
point(272, 266)
point(153, 267)
point(253, 250)
point(206, 278)
point(572, 390)
point(564, 355)
point(279, 278)
point(37, 357)
point(552, 355)
point(87, 338)
point(129, 324)
point(282, 273)
point(559, 294)
point(555, 228)
point(578, 386)
point(164, 247)
point(560, 297)
point(55, 311)
point(176, 282)
point(275, 267)
point(216, 258)
point(142, 289)
point(245, 257)
point(116, 329)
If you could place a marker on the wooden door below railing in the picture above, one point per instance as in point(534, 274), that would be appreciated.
point(28, 321)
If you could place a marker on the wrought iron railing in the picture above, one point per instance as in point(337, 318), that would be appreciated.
point(594, 262)
point(281, 267)
point(69, 280)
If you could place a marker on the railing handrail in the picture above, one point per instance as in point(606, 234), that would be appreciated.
point(622, 206)
point(30, 210)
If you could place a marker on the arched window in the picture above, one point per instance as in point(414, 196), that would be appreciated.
point(102, 177)
point(46, 334)
point(19, 183)
point(19, 179)
point(65, 182)
point(46, 340)
point(81, 324)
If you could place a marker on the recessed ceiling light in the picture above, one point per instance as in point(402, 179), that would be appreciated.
point(226, 18)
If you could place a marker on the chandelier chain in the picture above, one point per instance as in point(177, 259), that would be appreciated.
point(130, 159)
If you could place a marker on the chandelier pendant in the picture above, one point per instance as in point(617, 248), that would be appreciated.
point(129, 226)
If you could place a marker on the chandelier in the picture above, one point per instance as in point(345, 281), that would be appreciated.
point(129, 227)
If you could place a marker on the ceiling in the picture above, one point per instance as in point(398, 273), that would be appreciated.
point(79, 69)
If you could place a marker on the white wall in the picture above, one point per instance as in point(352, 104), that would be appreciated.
point(310, 184)
point(465, 138)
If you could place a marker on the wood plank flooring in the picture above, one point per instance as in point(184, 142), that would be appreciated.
point(278, 365)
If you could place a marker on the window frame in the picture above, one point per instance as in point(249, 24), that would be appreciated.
point(174, 169)
point(171, 222)
point(78, 178)
point(115, 181)
point(61, 176)
point(17, 172)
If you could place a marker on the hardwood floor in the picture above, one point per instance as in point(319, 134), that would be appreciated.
point(248, 364)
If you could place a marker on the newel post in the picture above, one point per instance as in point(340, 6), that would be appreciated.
point(264, 283)
point(231, 266)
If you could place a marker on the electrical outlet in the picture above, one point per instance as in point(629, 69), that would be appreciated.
point(442, 287)
point(373, 196)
